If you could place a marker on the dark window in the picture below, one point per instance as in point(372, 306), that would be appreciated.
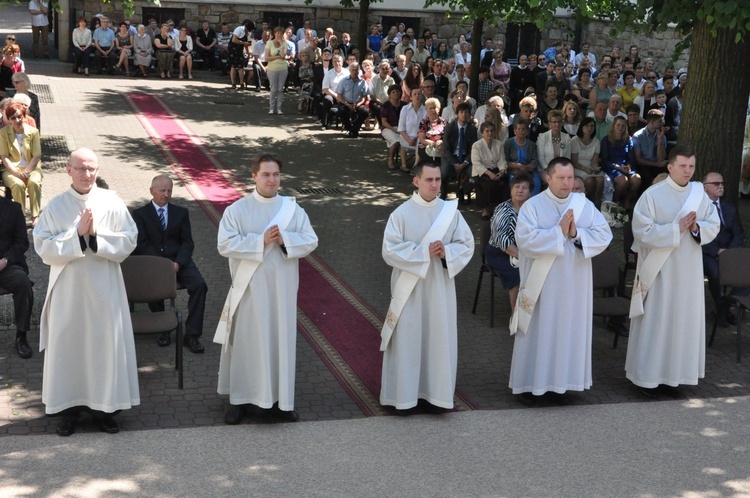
point(162, 15)
point(521, 39)
point(282, 19)
point(410, 22)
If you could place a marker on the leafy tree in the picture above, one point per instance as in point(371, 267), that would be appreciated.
point(363, 29)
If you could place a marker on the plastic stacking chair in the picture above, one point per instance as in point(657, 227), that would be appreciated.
point(484, 239)
point(148, 279)
point(734, 272)
point(607, 278)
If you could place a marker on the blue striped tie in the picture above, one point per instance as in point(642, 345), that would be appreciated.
point(162, 219)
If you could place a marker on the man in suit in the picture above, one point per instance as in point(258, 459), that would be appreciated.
point(14, 273)
point(164, 230)
point(442, 83)
point(730, 235)
point(458, 138)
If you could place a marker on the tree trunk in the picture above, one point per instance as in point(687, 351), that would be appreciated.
point(476, 48)
point(715, 103)
point(364, 11)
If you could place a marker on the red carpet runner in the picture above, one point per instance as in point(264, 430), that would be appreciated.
point(340, 326)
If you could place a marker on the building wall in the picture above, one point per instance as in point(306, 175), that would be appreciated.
point(448, 26)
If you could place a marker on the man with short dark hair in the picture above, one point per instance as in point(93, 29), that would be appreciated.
point(164, 231)
point(442, 83)
point(557, 233)
point(427, 242)
point(458, 138)
point(650, 146)
point(485, 85)
point(205, 44)
point(263, 235)
point(671, 221)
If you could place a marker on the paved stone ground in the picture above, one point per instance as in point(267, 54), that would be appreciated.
point(91, 112)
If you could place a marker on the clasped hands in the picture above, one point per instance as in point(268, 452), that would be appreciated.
point(568, 224)
point(437, 250)
point(86, 223)
point(273, 234)
point(689, 221)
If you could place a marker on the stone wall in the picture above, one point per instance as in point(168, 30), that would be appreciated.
point(448, 26)
point(601, 36)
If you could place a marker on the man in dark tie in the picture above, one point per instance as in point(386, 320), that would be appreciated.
point(164, 230)
point(458, 138)
point(14, 273)
point(442, 83)
point(730, 235)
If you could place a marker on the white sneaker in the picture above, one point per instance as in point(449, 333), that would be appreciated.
point(279, 112)
point(270, 112)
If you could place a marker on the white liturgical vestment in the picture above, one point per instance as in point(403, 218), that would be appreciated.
point(421, 358)
point(258, 366)
point(555, 353)
point(667, 343)
point(85, 324)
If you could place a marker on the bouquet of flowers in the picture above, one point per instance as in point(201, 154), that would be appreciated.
point(615, 214)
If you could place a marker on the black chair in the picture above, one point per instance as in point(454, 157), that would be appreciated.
point(734, 272)
point(484, 239)
point(607, 278)
point(631, 258)
point(148, 279)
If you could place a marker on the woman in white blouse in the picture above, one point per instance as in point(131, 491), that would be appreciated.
point(82, 47)
point(584, 153)
point(488, 164)
point(555, 142)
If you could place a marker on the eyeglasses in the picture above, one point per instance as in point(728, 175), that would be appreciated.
point(17, 117)
point(84, 170)
point(715, 184)
point(650, 77)
point(555, 122)
point(11, 38)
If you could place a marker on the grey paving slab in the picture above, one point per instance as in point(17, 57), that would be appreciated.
point(696, 448)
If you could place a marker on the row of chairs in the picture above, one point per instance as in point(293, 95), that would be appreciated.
point(609, 285)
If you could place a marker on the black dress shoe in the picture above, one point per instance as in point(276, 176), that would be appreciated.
point(164, 340)
point(559, 399)
point(109, 425)
point(66, 427)
point(193, 344)
point(434, 410)
point(649, 392)
point(527, 399)
point(22, 348)
point(670, 391)
point(234, 414)
point(286, 416)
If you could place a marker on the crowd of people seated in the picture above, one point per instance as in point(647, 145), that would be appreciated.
point(616, 117)
point(20, 125)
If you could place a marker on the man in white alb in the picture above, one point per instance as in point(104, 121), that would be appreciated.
point(427, 242)
point(83, 235)
point(557, 233)
point(264, 235)
point(671, 221)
